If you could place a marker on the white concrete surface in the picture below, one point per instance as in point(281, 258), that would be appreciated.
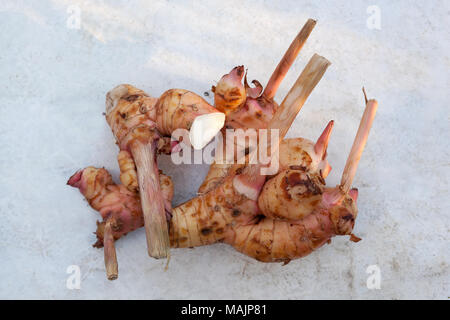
point(53, 83)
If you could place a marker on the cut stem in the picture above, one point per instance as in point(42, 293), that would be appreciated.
point(156, 228)
point(112, 269)
point(300, 91)
point(288, 59)
point(358, 145)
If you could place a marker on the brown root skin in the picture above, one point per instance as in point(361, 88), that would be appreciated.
point(216, 174)
point(229, 212)
point(115, 202)
point(295, 194)
point(243, 105)
point(255, 114)
point(127, 109)
point(291, 194)
point(128, 173)
point(341, 208)
point(200, 221)
point(207, 219)
point(295, 153)
point(317, 227)
point(178, 108)
point(272, 240)
point(223, 215)
point(139, 123)
point(334, 215)
point(132, 114)
point(281, 120)
point(226, 214)
point(230, 93)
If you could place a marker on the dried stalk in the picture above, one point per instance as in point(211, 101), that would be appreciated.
point(358, 145)
point(288, 59)
point(295, 99)
point(112, 269)
point(152, 201)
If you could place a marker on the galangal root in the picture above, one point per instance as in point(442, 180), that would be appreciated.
point(119, 207)
point(272, 218)
point(250, 108)
point(142, 125)
point(225, 215)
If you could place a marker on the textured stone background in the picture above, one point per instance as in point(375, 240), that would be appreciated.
point(53, 84)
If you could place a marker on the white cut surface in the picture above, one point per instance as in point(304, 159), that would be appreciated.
point(55, 73)
point(205, 128)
